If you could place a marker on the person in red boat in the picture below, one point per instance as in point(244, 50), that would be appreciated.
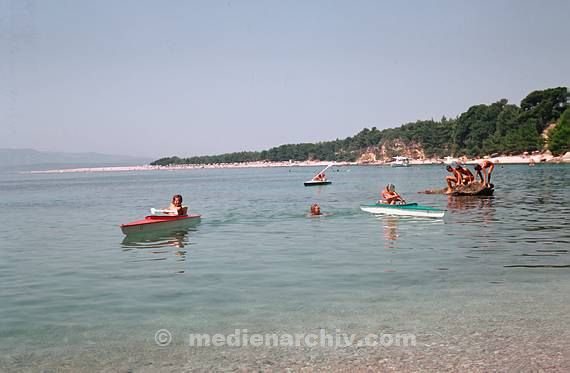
point(176, 206)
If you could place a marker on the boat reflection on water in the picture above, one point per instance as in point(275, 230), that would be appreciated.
point(469, 202)
point(162, 245)
point(396, 228)
point(157, 240)
point(462, 204)
point(390, 224)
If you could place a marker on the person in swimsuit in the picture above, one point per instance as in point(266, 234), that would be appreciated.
point(390, 196)
point(315, 209)
point(453, 181)
point(320, 177)
point(467, 176)
point(487, 168)
point(176, 205)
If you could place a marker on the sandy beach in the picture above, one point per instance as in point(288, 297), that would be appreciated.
point(514, 159)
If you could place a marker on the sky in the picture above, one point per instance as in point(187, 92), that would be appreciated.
point(161, 78)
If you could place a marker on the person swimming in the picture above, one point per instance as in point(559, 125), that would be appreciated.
point(176, 207)
point(315, 209)
point(389, 195)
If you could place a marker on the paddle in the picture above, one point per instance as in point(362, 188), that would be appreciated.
point(402, 200)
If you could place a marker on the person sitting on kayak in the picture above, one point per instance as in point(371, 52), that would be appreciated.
point(466, 175)
point(487, 167)
point(390, 196)
point(453, 181)
point(176, 205)
point(315, 209)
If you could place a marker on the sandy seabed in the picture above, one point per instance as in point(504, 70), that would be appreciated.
point(522, 331)
point(480, 352)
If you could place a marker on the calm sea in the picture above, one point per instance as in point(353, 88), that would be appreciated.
point(72, 287)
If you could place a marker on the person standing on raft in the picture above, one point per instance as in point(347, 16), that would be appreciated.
point(487, 168)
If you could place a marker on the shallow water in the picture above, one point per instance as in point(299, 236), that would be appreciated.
point(71, 282)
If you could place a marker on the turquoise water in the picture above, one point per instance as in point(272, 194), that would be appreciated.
point(70, 282)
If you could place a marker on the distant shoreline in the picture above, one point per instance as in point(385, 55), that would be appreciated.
point(518, 159)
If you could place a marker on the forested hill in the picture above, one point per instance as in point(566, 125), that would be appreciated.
point(542, 120)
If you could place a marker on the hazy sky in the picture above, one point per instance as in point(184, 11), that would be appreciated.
point(158, 78)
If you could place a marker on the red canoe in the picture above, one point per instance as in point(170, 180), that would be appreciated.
point(154, 223)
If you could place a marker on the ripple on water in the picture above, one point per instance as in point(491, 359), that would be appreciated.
point(495, 266)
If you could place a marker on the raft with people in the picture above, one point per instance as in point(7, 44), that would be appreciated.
point(474, 189)
point(462, 182)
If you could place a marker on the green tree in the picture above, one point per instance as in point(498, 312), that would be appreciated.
point(559, 139)
point(546, 106)
point(482, 129)
point(475, 126)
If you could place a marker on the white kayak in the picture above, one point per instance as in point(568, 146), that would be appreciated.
point(408, 209)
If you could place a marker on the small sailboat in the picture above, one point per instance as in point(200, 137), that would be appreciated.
point(319, 181)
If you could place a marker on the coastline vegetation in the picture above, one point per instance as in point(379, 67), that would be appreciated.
point(559, 142)
point(483, 129)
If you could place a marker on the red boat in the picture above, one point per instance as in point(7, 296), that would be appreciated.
point(153, 223)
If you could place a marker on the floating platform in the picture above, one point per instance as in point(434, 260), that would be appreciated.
point(474, 189)
point(316, 182)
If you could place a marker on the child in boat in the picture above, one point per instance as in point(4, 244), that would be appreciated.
point(176, 205)
point(453, 181)
point(487, 167)
point(390, 196)
point(467, 176)
point(315, 209)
